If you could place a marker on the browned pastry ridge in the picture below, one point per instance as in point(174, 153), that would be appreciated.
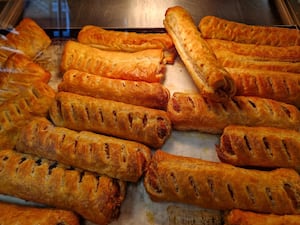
point(257, 52)
point(94, 197)
point(22, 215)
point(144, 65)
point(221, 186)
point(151, 127)
point(128, 41)
point(209, 76)
point(29, 38)
point(215, 27)
point(152, 95)
point(280, 86)
point(117, 158)
point(241, 217)
point(260, 147)
point(194, 112)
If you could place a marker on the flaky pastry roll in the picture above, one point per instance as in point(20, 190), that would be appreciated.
point(260, 147)
point(257, 52)
point(22, 215)
point(280, 86)
point(152, 95)
point(151, 127)
point(34, 100)
point(194, 112)
point(144, 65)
point(221, 186)
point(209, 76)
point(215, 27)
point(29, 38)
point(233, 60)
point(18, 73)
point(117, 158)
point(242, 217)
point(127, 41)
point(94, 197)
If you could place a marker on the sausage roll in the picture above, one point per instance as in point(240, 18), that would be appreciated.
point(215, 27)
point(148, 126)
point(19, 110)
point(117, 158)
point(280, 86)
point(257, 52)
point(144, 65)
point(94, 197)
point(127, 41)
point(241, 217)
point(194, 112)
point(208, 75)
point(22, 215)
point(221, 186)
point(230, 59)
point(29, 38)
point(260, 147)
point(152, 95)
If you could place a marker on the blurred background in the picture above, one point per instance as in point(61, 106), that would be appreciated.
point(62, 15)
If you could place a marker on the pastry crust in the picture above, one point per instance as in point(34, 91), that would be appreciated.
point(22, 215)
point(233, 60)
point(152, 95)
point(215, 27)
point(19, 110)
point(151, 127)
point(280, 86)
point(194, 112)
point(209, 76)
point(95, 198)
point(113, 40)
point(144, 65)
point(241, 217)
point(257, 52)
point(219, 186)
point(19, 72)
point(29, 38)
point(260, 147)
point(117, 158)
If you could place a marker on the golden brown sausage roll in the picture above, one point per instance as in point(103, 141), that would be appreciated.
point(152, 95)
point(117, 158)
point(230, 59)
point(221, 186)
point(144, 65)
point(193, 112)
point(148, 126)
point(19, 110)
point(260, 147)
point(280, 86)
point(257, 52)
point(18, 73)
point(241, 217)
point(214, 27)
point(29, 38)
point(208, 75)
point(113, 40)
point(95, 198)
point(22, 215)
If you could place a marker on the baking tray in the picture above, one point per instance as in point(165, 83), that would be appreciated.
point(137, 207)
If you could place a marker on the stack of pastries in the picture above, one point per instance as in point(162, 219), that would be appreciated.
point(77, 147)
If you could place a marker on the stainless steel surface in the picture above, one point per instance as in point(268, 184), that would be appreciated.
point(10, 11)
point(289, 11)
point(144, 13)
